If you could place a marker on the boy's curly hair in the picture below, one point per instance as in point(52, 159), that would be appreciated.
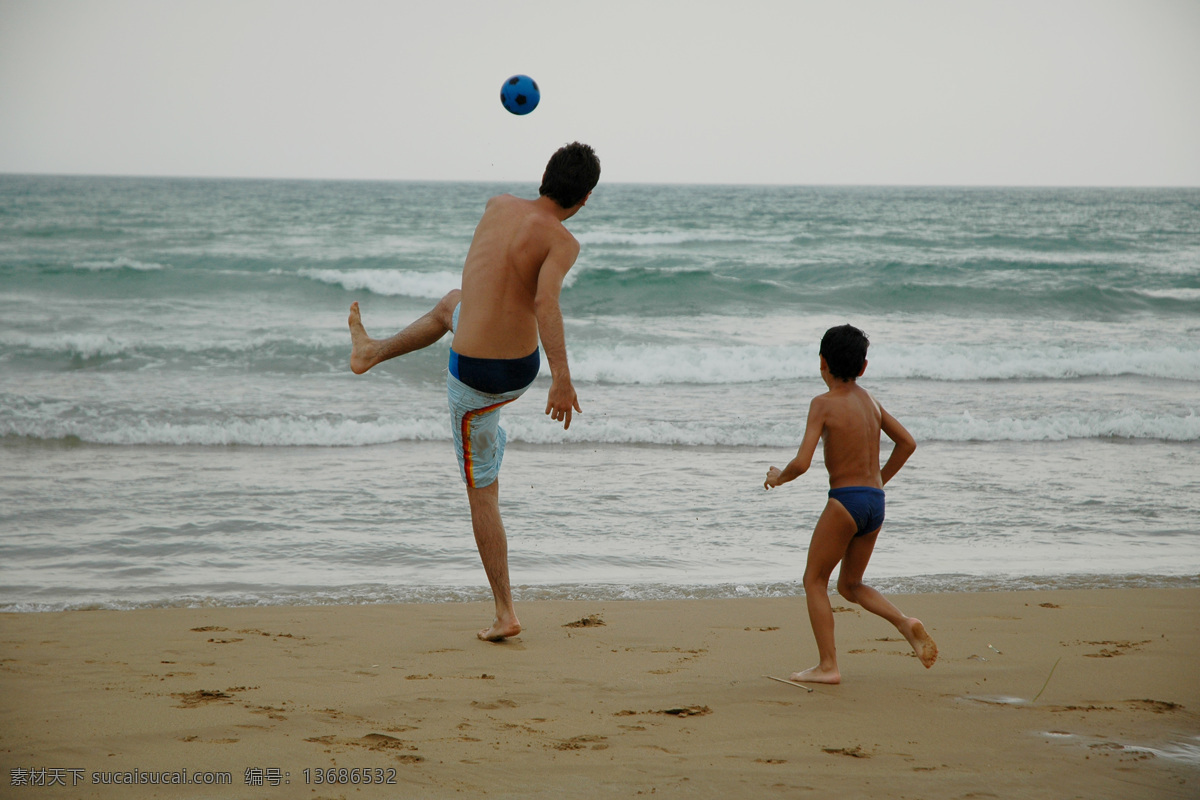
point(572, 172)
point(845, 350)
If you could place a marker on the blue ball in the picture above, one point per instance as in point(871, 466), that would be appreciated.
point(520, 94)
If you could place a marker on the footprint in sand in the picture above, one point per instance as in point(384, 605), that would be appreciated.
point(501, 703)
point(682, 711)
point(201, 697)
point(381, 741)
point(581, 743)
point(853, 752)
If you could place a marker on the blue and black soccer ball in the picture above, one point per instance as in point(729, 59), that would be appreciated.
point(520, 94)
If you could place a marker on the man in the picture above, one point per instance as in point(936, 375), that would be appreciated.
point(511, 281)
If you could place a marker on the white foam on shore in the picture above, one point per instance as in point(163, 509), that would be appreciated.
point(120, 263)
point(674, 237)
point(388, 282)
point(376, 594)
point(54, 421)
point(266, 432)
point(74, 345)
point(704, 364)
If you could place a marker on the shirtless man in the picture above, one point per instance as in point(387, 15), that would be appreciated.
point(849, 420)
point(509, 298)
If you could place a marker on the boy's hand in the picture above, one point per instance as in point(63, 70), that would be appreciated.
point(561, 400)
point(772, 477)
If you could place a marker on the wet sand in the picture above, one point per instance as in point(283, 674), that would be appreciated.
point(1079, 693)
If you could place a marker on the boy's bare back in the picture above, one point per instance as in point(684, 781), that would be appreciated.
point(515, 241)
point(850, 424)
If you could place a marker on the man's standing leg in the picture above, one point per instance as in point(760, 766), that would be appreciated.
point(493, 551)
point(367, 352)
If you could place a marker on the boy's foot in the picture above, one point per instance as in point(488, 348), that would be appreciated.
point(922, 643)
point(361, 352)
point(500, 631)
point(817, 675)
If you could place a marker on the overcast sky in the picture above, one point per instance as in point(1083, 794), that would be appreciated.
point(997, 92)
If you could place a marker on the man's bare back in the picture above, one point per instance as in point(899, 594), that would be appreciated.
point(511, 281)
point(515, 242)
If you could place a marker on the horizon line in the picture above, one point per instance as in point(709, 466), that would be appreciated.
point(884, 185)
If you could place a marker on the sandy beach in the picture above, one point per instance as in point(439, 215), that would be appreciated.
point(1080, 693)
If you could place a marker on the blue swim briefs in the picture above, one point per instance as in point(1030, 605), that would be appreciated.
point(476, 390)
point(865, 504)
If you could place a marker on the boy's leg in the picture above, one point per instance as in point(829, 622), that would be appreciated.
point(851, 587)
point(830, 538)
point(367, 352)
point(493, 551)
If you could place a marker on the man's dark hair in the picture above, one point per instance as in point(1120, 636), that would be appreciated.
point(572, 172)
point(845, 351)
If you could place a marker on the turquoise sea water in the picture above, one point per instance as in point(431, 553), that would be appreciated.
point(178, 423)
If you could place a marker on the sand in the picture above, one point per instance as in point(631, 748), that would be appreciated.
point(609, 699)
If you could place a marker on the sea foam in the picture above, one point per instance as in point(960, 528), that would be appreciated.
point(700, 364)
point(676, 237)
point(388, 282)
point(120, 263)
point(55, 421)
point(297, 431)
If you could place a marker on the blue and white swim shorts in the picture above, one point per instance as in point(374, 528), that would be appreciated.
point(476, 390)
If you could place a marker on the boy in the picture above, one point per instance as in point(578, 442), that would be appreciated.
point(849, 420)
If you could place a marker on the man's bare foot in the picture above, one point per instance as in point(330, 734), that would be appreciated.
point(817, 675)
point(362, 352)
point(922, 643)
point(500, 631)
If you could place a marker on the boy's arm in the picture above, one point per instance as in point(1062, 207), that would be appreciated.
point(905, 445)
point(561, 399)
point(808, 446)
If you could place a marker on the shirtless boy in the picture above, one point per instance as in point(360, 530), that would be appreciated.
point(511, 281)
point(849, 420)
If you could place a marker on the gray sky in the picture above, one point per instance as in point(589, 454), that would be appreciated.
point(1002, 92)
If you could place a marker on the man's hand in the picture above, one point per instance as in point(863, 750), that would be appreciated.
point(772, 477)
point(560, 402)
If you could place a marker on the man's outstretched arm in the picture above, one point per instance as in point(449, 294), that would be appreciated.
point(562, 398)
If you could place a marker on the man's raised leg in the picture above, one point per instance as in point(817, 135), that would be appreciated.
point(367, 352)
point(493, 551)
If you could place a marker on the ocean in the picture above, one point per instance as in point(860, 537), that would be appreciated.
point(179, 425)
